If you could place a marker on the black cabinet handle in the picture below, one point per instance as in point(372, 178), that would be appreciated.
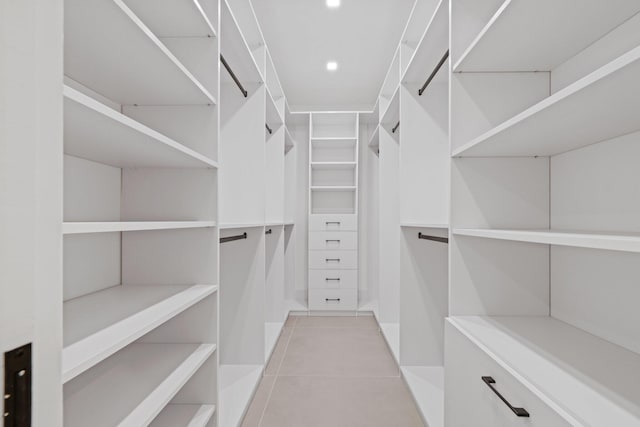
point(332, 299)
point(521, 412)
point(332, 240)
point(332, 259)
point(332, 222)
point(328, 279)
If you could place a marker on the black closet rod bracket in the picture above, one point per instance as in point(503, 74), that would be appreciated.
point(434, 72)
point(269, 231)
point(232, 238)
point(433, 238)
point(233, 76)
point(268, 128)
point(395, 128)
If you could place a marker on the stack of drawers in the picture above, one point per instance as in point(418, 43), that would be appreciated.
point(333, 262)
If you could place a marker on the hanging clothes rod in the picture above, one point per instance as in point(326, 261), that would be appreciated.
point(395, 128)
point(434, 238)
point(269, 231)
point(232, 238)
point(233, 76)
point(268, 129)
point(434, 72)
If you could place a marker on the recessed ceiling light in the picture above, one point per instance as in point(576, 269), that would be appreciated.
point(332, 65)
point(333, 3)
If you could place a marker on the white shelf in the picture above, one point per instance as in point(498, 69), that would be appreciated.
point(121, 226)
point(236, 51)
point(533, 35)
point(391, 333)
point(133, 386)
point(99, 324)
point(587, 380)
point(391, 115)
point(334, 138)
point(237, 385)
point(627, 242)
point(424, 225)
point(333, 188)
point(271, 334)
point(119, 57)
point(274, 120)
point(374, 142)
point(432, 46)
point(333, 165)
point(426, 384)
point(174, 18)
point(96, 132)
point(230, 226)
point(289, 142)
point(593, 109)
point(184, 415)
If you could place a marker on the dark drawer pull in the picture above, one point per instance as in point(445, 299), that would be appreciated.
point(332, 259)
point(333, 240)
point(332, 299)
point(521, 412)
point(328, 279)
point(332, 222)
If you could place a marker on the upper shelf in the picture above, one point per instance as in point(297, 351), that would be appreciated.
point(96, 132)
point(598, 107)
point(119, 226)
point(119, 57)
point(101, 323)
point(588, 381)
point(533, 35)
point(133, 386)
point(626, 242)
point(236, 50)
point(174, 18)
point(431, 47)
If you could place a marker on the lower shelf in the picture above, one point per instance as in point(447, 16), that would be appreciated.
point(426, 384)
point(391, 333)
point(271, 334)
point(586, 380)
point(133, 386)
point(237, 385)
point(184, 415)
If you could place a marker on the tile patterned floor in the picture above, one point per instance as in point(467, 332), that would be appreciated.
point(332, 372)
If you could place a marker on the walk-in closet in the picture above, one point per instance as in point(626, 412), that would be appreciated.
point(320, 213)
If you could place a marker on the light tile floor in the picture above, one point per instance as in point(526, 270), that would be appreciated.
point(332, 372)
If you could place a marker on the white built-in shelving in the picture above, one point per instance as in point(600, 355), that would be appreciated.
point(185, 415)
point(87, 227)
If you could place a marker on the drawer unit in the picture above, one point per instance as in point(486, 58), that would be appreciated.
point(333, 279)
point(333, 222)
point(333, 299)
point(333, 240)
point(333, 260)
point(471, 400)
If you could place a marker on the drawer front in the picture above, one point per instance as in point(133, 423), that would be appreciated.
point(333, 240)
point(470, 401)
point(333, 222)
point(333, 260)
point(333, 299)
point(333, 279)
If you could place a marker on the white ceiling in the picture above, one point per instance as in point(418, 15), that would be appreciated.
point(361, 35)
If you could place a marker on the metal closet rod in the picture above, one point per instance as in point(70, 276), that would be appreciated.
point(268, 128)
point(434, 72)
point(233, 76)
point(269, 231)
point(395, 128)
point(232, 238)
point(434, 238)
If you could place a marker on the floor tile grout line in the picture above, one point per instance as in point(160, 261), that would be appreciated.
point(273, 385)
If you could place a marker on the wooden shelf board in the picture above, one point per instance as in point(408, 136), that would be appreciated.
point(426, 384)
point(585, 379)
point(122, 226)
point(523, 36)
point(129, 65)
point(133, 386)
point(96, 132)
point(99, 324)
point(626, 242)
point(593, 109)
point(184, 415)
point(237, 385)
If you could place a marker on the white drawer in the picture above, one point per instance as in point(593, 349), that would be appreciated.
point(334, 222)
point(333, 279)
point(471, 402)
point(333, 299)
point(333, 260)
point(333, 240)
